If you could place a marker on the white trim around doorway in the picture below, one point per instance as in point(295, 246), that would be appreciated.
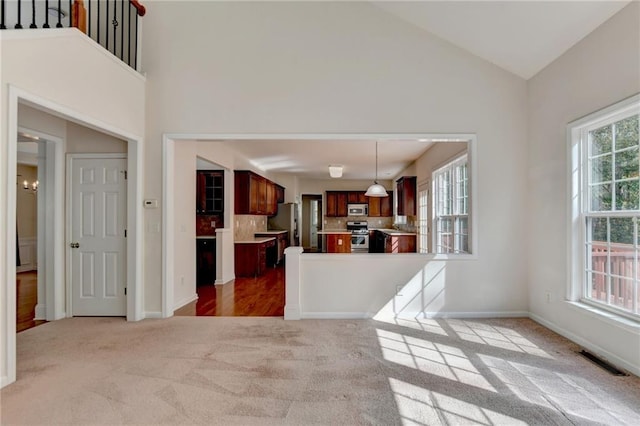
point(8, 224)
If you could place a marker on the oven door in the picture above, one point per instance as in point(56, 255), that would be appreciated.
point(360, 242)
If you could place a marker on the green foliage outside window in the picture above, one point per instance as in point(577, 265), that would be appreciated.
point(615, 178)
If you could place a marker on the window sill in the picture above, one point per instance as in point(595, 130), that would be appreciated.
point(606, 316)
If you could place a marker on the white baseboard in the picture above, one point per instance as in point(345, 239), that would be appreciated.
point(415, 315)
point(465, 315)
point(224, 280)
point(291, 313)
point(41, 312)
point(612, 358)
point(335, 315)
point(154, 314)
point(186, 301)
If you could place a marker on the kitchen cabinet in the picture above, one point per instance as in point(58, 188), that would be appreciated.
point(339, 242)
point(400, 243)
point(356, 197)
point(381, 206)
point(205, 261)
point(255, 194)
point(282, 242)
point(406, 187)
point(209, 191)
point(381, 241)
point(253, 257)
point(279, 194)
point(336, 203)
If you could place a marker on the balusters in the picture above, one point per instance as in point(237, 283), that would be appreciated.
point(33, 14)
point(135, 50)
point(104, 17)
point(98, 23)
point(106, 43)
point(114, 22)
point(59, 24)
point(2, 24)
point(46, 14)
point(19, 24)
point(121, 31)
point(129, 36)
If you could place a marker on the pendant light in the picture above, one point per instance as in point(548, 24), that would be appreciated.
point(376, 190)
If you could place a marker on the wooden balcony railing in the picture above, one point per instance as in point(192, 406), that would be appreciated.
point(621, 259)
point(111, 23)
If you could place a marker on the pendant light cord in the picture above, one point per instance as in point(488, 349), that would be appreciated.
point(376, 180)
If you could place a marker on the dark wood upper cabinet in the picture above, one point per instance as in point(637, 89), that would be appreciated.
point(381, 206)
point(279, 194)
point(255, 194)
point(337, 203)
point(406, 187)
point(209, 191)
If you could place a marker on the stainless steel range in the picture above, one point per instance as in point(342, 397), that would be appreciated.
point(359, 236)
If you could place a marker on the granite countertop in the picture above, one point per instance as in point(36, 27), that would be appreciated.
point(271, 232)
point(393, 231)
point(255, 240)
point(205, 237)
point(335, 231)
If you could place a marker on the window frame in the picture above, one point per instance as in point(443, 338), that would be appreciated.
point(579, 210)
point(451, 165)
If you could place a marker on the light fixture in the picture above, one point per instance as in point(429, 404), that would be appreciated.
point(376, 190)
point(33, 186)
point(335, 171)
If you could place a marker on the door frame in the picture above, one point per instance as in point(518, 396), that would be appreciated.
point(69, 237)
point(8, 219)
point(50, 236)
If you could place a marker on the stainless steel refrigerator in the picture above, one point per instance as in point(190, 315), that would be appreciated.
point(286, 220)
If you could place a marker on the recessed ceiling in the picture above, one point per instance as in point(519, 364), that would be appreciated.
point(310, 159)
point(522, 37)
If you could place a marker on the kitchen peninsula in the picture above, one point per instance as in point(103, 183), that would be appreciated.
point(336, 241)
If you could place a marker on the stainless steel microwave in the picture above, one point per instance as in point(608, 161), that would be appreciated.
point(357, 209)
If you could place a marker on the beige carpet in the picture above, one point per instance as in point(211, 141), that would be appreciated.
point(265, 371)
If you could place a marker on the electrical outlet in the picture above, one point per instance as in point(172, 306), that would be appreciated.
point(339, 241)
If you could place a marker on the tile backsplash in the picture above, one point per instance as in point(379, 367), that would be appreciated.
point(341, 222)
point(247, 225)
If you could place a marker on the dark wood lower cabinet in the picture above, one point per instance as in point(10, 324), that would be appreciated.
point(338, 243)
point(252, 258)
point(205, 261)
point(384, 242)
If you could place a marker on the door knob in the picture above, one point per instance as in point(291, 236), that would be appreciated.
point(75, 245)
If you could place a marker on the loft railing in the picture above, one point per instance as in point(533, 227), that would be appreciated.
point(111, 23)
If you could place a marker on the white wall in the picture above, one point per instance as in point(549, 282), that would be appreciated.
point(82, 139)
point(107, 95)
point(341, 67)
point(184, 289)
point(602, 69)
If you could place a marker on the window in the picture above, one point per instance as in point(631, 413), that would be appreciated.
point(451, 207)
point(606, 213)
point(423, 219)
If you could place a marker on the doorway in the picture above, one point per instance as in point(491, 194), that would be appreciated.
point(311, 222)
point(29, 212)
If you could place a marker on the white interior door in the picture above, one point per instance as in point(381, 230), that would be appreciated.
point(98, 231)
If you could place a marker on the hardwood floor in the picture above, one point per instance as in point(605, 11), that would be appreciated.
point(260, 296)
point(26, 300)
